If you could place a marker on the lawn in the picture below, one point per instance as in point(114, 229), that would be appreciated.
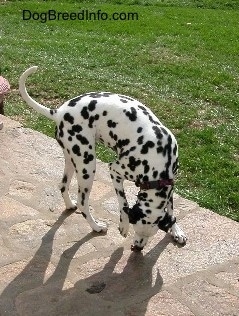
point(181, 58)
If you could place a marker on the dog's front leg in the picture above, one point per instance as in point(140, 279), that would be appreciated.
point(177, 233)
point(123, 204)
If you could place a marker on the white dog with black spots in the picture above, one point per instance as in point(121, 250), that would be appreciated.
point(147, 154)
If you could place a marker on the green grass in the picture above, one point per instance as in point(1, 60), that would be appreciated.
point(180, 58)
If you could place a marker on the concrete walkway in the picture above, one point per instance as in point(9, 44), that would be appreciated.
point(52, 264)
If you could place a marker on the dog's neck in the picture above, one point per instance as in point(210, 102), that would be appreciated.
point(154, 198)
point(156, 184)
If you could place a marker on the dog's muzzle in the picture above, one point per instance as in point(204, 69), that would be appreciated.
point(136, 248)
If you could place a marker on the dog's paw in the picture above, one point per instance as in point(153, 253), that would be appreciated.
point(100, 227)
point(124, 229)
point(72, 206)
point(178, 235)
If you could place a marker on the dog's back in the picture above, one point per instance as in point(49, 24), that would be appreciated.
point(127, 126)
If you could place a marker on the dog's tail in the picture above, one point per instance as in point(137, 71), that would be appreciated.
point(51, 114)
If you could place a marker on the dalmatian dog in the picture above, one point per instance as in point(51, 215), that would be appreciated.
point(147, 154)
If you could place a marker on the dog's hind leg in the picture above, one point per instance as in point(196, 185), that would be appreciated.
point(123, 204)
point(85, 170)
point(65, 183)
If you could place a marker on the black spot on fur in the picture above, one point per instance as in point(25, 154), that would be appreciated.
point(71, 132)
point(69, 118)
point(91, 106)
point(166, 223)
point(161, 205)
point(121, 193)
point(76, 128)
point(88, 157)
point(53, 111)
point(157, 132)
point(160, 149)
point(146, 146)
point(139, 130)
point(76, 150)
point(167, 151)
point(147, 113)
point(85, 113)
point(153, 121)
point(135, 214)
point(91, 121)
point(64, 180)
point(133, 163)
point(141, 107)
point(83, 199)
point(84, 171)
point(146, 166)
point(74, 101)
point(82, 139)
point(142, 196)
point(126, 153)
point(175, 167)
point(145, 178)
point(140, 140)
point(164, 131)
point(73, 162)
point(132, 115)
point(60, 143)
point(155, 174)
point(61, 126)
point(162, 193)
point(113, 136)
point(112, 124)
point(56, 132)
point(122, 143)
point(104, 113)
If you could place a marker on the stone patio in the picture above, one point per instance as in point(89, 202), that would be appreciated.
point(51, 263)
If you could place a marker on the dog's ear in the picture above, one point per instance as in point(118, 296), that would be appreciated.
point(135, 214)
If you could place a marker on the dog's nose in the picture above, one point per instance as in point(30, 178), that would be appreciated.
point(136, 248)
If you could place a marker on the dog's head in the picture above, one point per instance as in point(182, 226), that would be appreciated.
point(142, 227)
point(146, 224)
